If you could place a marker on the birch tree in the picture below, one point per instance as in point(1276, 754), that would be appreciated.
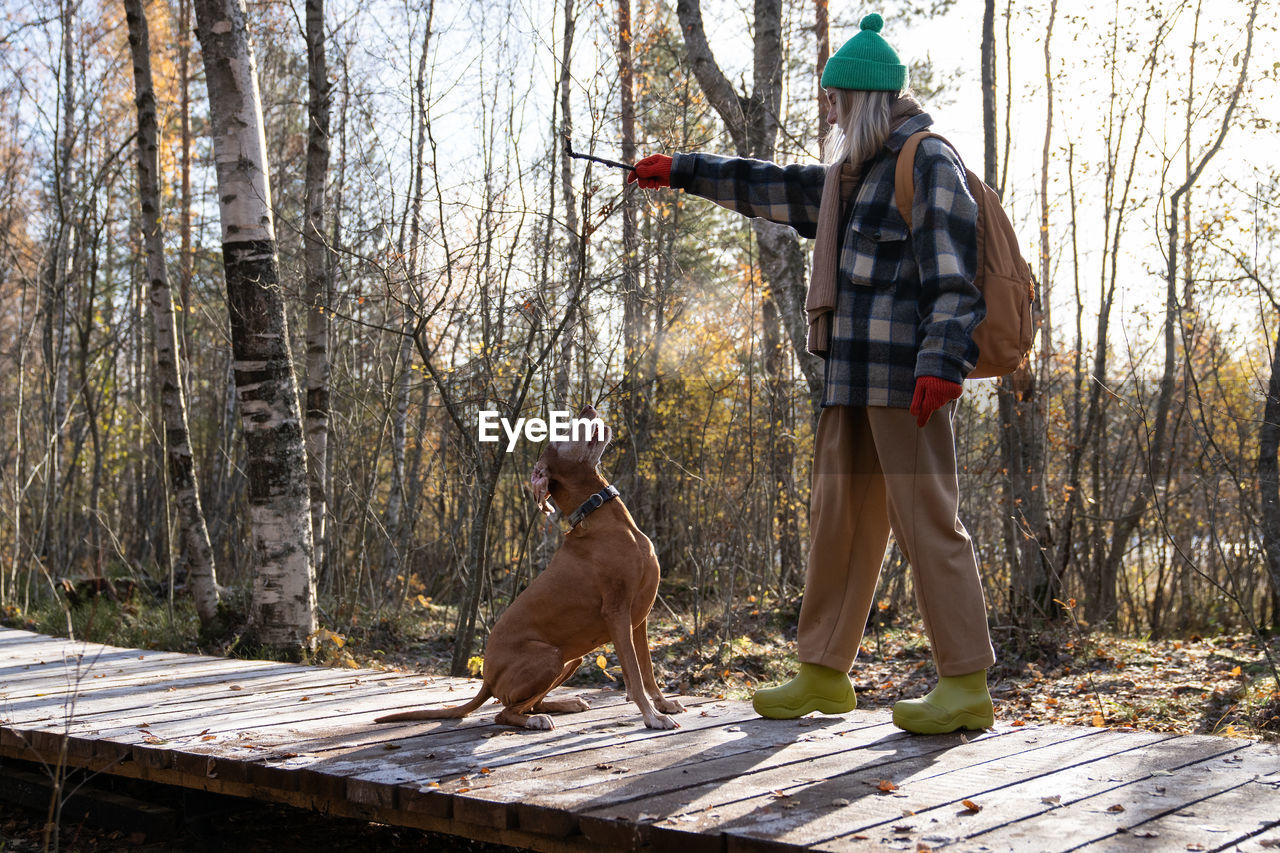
point(283, 603)
point(193, 533)
point(319, 280)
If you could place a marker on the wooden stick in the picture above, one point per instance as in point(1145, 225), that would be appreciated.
point(568, 149)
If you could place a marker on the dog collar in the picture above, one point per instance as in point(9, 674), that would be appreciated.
point(592, 504)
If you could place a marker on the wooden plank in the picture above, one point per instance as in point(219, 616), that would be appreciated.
point(503, 780)
point(409, 775)
point(854, 799)
point(1045, 790)
point(443, 759)
point(156, 698)
point(228, 706)
point(701, 782)
point(1130, 799)
point(171, 707)
point(799, 800)
point(1231, 818)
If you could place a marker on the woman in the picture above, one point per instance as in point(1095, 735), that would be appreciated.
point(892, 308)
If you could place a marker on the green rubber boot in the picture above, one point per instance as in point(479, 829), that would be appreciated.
point(815, 688)
point(958, 702)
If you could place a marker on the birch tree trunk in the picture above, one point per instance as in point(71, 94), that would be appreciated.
point(57, 332)
point(319, 282)
point(193, 533)
point(185, 259)
point(283, 605)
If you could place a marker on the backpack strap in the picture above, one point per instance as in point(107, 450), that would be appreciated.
point(904, 183)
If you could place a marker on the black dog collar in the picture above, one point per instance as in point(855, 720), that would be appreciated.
point(592, 504)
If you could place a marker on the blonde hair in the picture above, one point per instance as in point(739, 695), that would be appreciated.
point(862, 125)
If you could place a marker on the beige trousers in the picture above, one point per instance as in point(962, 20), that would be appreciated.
point(874, 470)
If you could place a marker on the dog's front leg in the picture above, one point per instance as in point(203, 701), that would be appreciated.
point(640, 640)
point(620, 632)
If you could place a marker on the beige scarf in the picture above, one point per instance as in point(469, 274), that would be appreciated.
point(840, 184)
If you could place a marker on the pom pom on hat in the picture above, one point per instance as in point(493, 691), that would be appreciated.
point(866, 62)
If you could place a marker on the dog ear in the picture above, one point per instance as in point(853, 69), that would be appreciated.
point(541, 482)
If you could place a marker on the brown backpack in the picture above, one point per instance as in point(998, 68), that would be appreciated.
point(1004, 336)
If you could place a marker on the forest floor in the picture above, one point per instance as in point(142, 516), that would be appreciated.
point(1222, 685)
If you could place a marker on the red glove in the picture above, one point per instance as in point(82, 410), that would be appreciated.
point(652, 172)
point(932, 394)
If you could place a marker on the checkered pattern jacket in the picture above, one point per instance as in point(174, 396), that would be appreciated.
point(906, 305)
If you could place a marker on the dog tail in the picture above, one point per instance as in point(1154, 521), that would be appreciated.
point(452, 713)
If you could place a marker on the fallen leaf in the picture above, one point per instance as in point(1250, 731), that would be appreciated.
point(390, 746)
point(1051, 801)
point(1018, 723)
point(780, 794)
point(904, 828)
point(971, 806)
point(1098, 720)
point(886, 786)
point(839, 802)
point(1116, 808)
point(1235, 671)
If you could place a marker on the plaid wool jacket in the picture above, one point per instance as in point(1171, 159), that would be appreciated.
point(906, 304)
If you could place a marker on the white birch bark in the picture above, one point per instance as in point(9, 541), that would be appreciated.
point(318, 278)
point(283, 605)
point(193, 532)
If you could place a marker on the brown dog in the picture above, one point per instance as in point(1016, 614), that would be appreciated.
point(598, 588)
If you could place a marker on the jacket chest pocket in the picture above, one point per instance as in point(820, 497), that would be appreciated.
point(874, 251)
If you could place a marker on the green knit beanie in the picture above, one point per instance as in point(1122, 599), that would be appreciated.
point(866, 62)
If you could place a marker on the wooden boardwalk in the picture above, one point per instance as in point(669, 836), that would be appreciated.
point(726, 781)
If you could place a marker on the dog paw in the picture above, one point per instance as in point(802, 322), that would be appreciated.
point(660, 721)
point(539, 721)
point(669, 706)
point(581, 704)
